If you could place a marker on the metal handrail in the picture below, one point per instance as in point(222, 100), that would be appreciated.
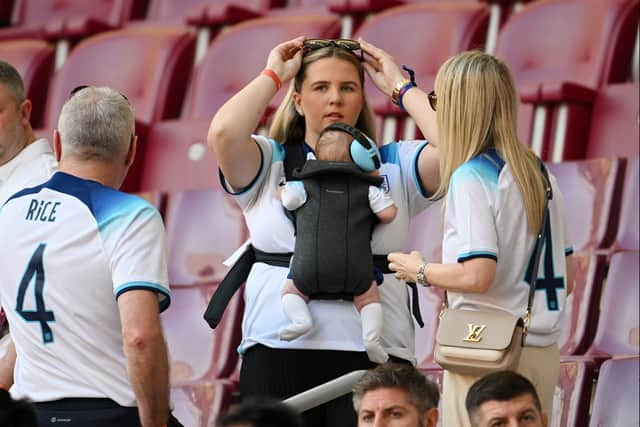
point(324, 392)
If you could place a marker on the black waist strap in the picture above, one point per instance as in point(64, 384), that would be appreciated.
point(235, 277)
point(381, 263)
point(239, 272)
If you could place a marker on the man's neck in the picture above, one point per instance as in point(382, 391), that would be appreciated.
point(103, 172)
point(29, 138)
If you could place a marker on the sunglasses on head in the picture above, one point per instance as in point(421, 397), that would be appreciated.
point(347, 44)
point(82, 87)
point(433, 100)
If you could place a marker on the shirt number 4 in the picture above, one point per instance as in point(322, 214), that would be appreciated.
point(35, 274)
point(549, 282)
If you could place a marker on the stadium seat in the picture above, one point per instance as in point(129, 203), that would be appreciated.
point(204, 228)
point(229, 12)
point(617, 394)
point(151, 66)
point(628, 237)
point(592, 193)
point(238, 55)
point(197, 353)
point(614, 122)
point(425, 35)
point(6, 11)
point(34, 60)
point(560, 52)
point(178, 158)
point(618, 330)
point(69, 19)
point(580, 317)
point(572, 394)
point(200, 404)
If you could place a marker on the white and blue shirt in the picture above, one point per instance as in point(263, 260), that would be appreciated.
point(68, 249)
point(485, 217)
point(336, 323)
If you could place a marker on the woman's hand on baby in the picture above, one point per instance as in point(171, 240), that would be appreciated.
point(381, 67)
point(285, 59)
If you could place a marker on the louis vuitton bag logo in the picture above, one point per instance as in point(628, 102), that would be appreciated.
point(475, 332)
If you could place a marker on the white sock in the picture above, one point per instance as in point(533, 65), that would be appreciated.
point(298, 313)
point(371, 316)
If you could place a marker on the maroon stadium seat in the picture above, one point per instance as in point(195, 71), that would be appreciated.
point(628, 237)
point(33, 59)
point(614, 122)
point(592, 193)
point(560, 52)
point(618, 326)
point(178, 158)
point(246, 46)
point(200, 404)
point(572, 395)
point(196, 352)
point(580, 317)
point(425, 35)
point(151, 66)
point(203, 228)
point(617, 394)
point(69, 19)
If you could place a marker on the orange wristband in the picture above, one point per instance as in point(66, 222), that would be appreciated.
point(274, 77)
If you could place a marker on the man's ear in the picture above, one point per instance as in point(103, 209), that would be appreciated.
point(297, 103)
point(545, 420)
point(131, 154)
point(57, 145)
point(25, 111)
point(430, 418)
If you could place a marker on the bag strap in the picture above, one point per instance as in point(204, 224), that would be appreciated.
point(532, 277)
point(532, 271)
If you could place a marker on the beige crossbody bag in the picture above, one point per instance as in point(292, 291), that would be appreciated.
point(477, 342)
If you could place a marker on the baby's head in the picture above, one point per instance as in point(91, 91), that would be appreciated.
point(333, 145)
point(340, 142)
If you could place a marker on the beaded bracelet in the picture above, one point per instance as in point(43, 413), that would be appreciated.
point(270, 73)
point(408, 85)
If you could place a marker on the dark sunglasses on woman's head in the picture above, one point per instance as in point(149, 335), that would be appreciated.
point(82, 87)
point(347, 44)
point(433, 100)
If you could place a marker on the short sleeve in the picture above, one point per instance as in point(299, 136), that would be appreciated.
point(470, 213)
point(293, 195)
point(138, 259)
point(378, 199)
point(270, 152)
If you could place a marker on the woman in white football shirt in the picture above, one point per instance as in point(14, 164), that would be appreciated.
point(327, 87)
point(494, 194)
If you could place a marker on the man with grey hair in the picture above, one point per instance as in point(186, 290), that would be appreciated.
point(396, 395)
point(24, 161)
point(85, 267)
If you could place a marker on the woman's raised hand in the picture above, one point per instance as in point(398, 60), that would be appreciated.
point(381, 67)
point(285, 59)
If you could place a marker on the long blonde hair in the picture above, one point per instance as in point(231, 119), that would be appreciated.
point(289, 126)
point(477, 111)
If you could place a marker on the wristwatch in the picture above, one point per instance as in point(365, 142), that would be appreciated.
point(396, 90)
point(420, 279)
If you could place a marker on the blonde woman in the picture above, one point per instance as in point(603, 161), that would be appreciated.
point(327, 86)
point(494, 196)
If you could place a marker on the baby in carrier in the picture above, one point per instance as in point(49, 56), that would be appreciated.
point(337, 202)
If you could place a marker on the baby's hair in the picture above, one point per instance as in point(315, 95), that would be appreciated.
point(333, 145)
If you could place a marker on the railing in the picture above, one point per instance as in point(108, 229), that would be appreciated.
point(324, 392)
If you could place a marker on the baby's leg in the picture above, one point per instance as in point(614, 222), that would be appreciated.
point(294, 304)
point(370, 309)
